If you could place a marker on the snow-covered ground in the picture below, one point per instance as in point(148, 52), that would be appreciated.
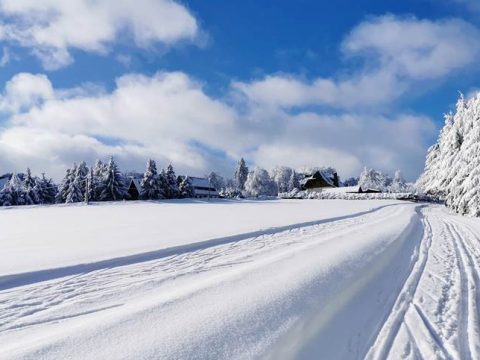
point(326, 279)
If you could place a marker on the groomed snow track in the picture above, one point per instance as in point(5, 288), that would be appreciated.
point(436, 314)
point(400, 281)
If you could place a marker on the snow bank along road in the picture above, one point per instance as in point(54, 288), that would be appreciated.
point(389, 280)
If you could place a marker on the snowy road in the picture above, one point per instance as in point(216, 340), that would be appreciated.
point(436, 314)
point(398, 281)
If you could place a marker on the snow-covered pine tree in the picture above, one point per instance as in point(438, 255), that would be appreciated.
point(373, 179)
point(92, 185)
point(462, 192)
point(46, 190)
point(151, 187)
point(452, 166)
point(96, 179)
point(78, 187)
point(241, 174)
point(185, 188)
point(14, 193)
point(112, 186)
point(99, 169)
point(281, 175)
point(293, 182)
point(32, 197)
point(169, 183)
point(398, 184)
point(216, 181)
point(259, 183)
point(65, 184)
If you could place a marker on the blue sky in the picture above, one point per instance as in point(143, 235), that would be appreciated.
point(200, 83)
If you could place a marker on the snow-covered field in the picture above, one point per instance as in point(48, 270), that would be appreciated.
point(313, 279)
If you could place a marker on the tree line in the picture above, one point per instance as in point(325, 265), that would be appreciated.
point(105, 182)
point(101, 182)
point(452, 167)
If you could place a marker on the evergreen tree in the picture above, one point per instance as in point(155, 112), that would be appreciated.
point(65, 184)
point(185, 188)
point(398, 185)
point(241, 174)
point(452, 165)
point(29, 185)
point(14, 193)
point(259, 183)
point(169, 183)
point(92, 185)
point(99, 169)
point(46, 190)
point(113, 184)
point(216, 181)
point(151, 187)
point(373, 179)
point(281, 175)
point(78, 186)
point(293, 182)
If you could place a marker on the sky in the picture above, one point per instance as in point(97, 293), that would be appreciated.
point(199, 84)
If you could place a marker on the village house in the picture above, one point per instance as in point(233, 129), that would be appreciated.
point(318, 181)
point(202, 188)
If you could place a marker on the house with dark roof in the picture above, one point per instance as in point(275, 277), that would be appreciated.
point(318, 181)
point(202, 188)
point(132, 182)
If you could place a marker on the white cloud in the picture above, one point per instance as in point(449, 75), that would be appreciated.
point(397, 53)
point(157, 116)
point(50, 28)
point(413, 48)
point(25, 90)
point(167, 115)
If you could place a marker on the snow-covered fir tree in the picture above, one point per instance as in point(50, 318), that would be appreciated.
point(78, 186)
point(293, 182)
point(241, 174)
point(30, 189)
point(112, 186)
point(185, 187)
point(374, 180)
point(65, 184)
point(99, 169)
point(92, 185)
point(14, 193)
point(216, 181)
point(45, 189)
point(398, 184)
point(169, 183)
point(151, 187)
point(259, 183)
point(281, 175)
point(452, 165)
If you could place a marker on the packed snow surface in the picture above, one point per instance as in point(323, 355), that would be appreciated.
point(298, 279)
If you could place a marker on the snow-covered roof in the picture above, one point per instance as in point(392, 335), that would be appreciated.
point(199, 182)
point(4, 179)
point(313, 176)
point(202, 186)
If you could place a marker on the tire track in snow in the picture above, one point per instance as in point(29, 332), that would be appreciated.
point(19, 307)
point(391, 327)
point(447, 272)
point(21, 279)
point(469, 338)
